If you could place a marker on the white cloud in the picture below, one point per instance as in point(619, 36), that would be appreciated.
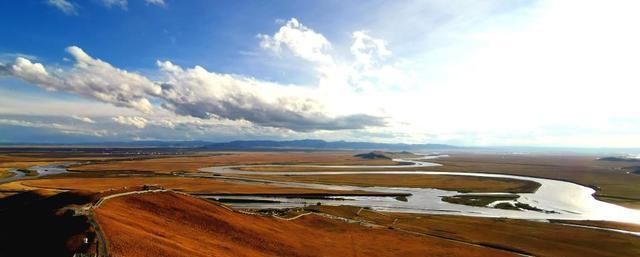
point(83, 119)
point(66, 129)
point(193, 92)
point(91, 78)
point(199, 93)
point(300, 40)
point(156, 2)
point(367, 50)
point(24, 103)
point(371, 66)
point(64, 6)
point(135, 121)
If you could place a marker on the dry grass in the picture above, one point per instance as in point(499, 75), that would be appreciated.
point(193, 163)
point(5, 166)
point(191, 185)
point(444, 182)
point(165, 224)
point(536, 238)
point(614, 185)
point(603, 224)
point(612, 182)
point(23, 161)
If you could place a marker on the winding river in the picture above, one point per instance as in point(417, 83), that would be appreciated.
point(43, 170)
point(557, 199)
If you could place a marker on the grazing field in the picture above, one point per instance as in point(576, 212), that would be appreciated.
point(611, 179)
point(172, 224)
point(611, 182)
point(603, 224)
point(444, 182)
point(534, 238)
point(190, 185)
point(167, 224)
point(193, 163)
point(25, 160)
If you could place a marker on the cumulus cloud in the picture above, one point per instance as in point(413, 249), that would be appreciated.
point(372, 66)
point(300, 40)
point(193, 92)
point(199, 93)
point(91, 78)
point(135, 121)
point(367, 50)
point(63, 5)
point(83, 119)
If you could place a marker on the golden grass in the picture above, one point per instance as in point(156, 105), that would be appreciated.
point(193, 163)
point(165, 224)
point(536, 238)
point(191, 185)
point(444, 182)
point(612, 182)
point(603, 224)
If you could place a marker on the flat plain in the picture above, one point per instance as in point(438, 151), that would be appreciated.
point(174, 221)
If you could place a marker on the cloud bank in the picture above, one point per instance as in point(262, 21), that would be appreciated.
point(135, 121)
point(90, 78)
point(193, 92)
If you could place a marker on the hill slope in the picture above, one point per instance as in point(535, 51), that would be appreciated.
point(169, 224)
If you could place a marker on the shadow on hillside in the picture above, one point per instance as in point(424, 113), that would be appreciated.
point(34, 224)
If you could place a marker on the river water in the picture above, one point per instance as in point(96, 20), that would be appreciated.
point(558, 199)
point(43, 170)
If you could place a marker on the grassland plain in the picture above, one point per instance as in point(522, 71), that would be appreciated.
point(189, 185)
point(193, 163)
point(22, 160)
point(612, 182)
point(444, 182)
point(530, 237)
point(540, 239)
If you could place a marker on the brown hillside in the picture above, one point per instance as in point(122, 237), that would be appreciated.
point(170, 224)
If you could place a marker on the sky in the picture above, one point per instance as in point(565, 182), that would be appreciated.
point(474, 73)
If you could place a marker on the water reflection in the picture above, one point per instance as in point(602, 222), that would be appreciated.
point(558, 199)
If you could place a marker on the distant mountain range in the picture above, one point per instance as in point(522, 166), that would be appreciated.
point(314, 144)
point(310, 144)
point(119, 144)
point(307, 144)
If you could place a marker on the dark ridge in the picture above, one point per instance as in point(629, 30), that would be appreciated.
point(618, 159)
point(372, 155)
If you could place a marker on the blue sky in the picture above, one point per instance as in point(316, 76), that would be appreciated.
point(543, 73)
